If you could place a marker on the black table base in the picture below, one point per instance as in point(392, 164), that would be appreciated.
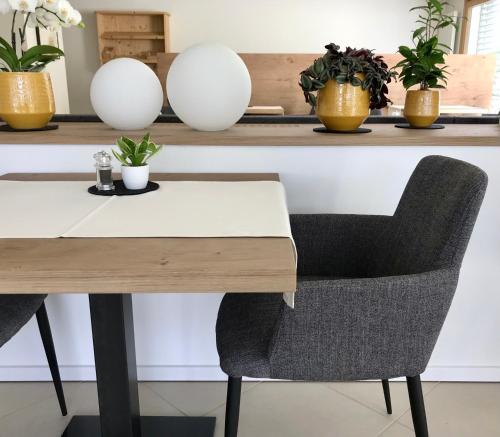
point(116, 372)
point(151, 426)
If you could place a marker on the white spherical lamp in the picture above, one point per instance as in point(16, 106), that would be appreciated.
point(209, 87)
point(126, 94)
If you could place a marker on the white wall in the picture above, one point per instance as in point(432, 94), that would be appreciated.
point(257, 26)
point(175, 334)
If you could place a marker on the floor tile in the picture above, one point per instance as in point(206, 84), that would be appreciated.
point(397, 430)
point(15, 395)
point(283, 409)
point(372, 395)
point(152, 404)
point(43, 418)
point(462, 410)
point(194, 398)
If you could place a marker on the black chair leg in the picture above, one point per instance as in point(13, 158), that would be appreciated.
point(50, 352)
point(232, 407)
point(387, 395)
point(417, 406)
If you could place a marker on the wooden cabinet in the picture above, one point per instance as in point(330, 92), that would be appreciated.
point(134, 34)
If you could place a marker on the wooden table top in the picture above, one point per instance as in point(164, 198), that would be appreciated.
point(263, 135)
point(147, 265)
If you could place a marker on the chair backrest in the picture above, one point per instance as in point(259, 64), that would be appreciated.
point(435, 217)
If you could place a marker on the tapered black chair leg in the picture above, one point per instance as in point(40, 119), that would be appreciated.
point(50, 352)
point(417, 406)
point(232, 407)
point(387, 395)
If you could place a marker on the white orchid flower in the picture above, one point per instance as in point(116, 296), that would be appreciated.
point(23, 5)
point(75, 18)
point(51, 5)
point(5, 7)
point(65, 11)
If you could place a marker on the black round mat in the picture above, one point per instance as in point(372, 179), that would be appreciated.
point(407, 126)
point(7, 128)
point(359, 130)
point(120, 189)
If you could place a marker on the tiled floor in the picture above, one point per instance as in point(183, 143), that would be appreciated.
point(271, 409)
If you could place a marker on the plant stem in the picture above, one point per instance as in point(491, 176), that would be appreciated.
point(53, 13)
point(23, 32)
point(13, 32)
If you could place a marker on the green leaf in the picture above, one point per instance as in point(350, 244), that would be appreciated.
point(305, 82)
point(341, 79)
point(418, 32)
point(406, 52)
point(437, 5)
point(355, 81)
point(125, 147)
point(8, 47)
point(120, 158)
point(41, 53)
point(8, 60)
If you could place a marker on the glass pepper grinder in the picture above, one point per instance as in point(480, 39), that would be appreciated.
point(103, 171)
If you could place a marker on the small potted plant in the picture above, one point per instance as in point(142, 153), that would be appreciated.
point(424, 64)
point(134, 157)
point(348, 84)
point(27, 99)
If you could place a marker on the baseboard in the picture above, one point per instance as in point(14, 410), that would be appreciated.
point(87, 373)
point(214, 373)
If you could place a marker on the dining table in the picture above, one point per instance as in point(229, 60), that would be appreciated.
point(111, 268)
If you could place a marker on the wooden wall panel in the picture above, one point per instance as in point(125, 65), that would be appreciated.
point(275, 79)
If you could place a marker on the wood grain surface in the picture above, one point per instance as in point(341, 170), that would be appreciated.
point(147, 265)
point(263, 135)
point(275, 78)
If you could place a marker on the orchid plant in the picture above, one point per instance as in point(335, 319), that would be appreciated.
point(45, 14)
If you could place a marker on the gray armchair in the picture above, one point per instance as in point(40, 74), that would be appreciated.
point(15, 312)
point(373, 292)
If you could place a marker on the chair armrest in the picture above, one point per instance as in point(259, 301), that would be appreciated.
point(368, 328)
point(341, 245)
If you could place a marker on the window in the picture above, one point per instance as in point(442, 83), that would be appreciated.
point(481, 35)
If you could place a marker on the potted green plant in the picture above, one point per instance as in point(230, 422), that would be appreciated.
point(424, 64)
point(27, 99)
point(348, 84)
point(134, 157)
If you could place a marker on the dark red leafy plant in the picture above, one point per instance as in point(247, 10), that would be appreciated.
point(345, 67)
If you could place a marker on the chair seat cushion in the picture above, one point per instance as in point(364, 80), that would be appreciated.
point(245, 325)
point(15, 312)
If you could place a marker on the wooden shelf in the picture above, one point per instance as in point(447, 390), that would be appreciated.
point(132, 35)
point(152, 61)
point(283, 135)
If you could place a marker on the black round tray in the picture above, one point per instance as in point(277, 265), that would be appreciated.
point(407, 126)
point(7, 128)
point(120, 189)
point(359, 130)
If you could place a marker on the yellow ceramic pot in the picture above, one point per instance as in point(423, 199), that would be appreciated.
point(421, 107)
point(26, 100)
point(343, 107)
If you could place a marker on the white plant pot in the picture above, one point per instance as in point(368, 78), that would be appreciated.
point(135, 178)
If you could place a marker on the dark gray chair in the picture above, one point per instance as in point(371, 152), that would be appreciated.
point(373, 292)
point(15, 312)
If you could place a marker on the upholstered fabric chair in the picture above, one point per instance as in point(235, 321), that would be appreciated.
point(373, 292)
point(15, 312)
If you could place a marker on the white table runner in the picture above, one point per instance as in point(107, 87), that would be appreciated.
point(178, 209)
point(44, 209)
point(193, 209)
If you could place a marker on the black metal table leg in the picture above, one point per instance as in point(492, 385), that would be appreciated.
point(114, 351)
